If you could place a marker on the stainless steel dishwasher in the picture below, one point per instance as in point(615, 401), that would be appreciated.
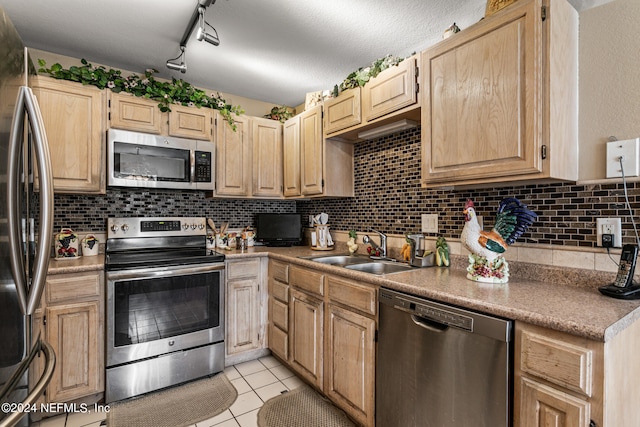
point(441, 366)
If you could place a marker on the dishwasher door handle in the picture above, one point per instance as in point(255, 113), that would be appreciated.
point(429, 325)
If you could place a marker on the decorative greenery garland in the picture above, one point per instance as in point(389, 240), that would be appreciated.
point(166, 93)
point(361, 76)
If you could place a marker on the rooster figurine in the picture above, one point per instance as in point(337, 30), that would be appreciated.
point(486, 262)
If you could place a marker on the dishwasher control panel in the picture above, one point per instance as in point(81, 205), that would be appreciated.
point(430, 310)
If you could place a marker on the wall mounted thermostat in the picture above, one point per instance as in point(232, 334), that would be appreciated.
point(629, 150)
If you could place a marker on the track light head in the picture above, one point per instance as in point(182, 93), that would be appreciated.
point(172, 64)
point(202, 34)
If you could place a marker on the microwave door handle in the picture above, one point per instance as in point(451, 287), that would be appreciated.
point(193, 166)
point(14, 161)
point(45, 181)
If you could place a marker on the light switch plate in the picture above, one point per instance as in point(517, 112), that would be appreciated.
point(629, 150)
point(429, 223)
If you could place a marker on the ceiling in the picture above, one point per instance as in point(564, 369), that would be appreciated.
point(274, 51)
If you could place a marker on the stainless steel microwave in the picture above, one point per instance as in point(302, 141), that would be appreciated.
point(137, 159)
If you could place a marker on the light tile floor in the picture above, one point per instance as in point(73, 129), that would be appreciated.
point(256, 381)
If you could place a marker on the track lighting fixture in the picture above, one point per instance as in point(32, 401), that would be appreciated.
point(202, 31)
point(172, 64)
point(196, 17)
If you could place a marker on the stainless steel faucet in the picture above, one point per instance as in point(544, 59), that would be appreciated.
point(383, 242)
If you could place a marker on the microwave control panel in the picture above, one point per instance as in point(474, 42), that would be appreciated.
point(203, 166)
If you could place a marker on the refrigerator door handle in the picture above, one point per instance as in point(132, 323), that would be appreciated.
point(29, 296)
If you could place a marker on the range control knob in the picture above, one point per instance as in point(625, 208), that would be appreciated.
point(125, 228)
point(114, 228)
point(193, 226)
point(200, 226)
point(185, 226)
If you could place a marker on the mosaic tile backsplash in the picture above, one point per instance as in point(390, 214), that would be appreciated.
point(388, 197)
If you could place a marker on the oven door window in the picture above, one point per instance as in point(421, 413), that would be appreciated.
point(151, 309)
point(149, 163)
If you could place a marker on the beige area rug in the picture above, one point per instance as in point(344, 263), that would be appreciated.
point(301, 407)
point(178, 406)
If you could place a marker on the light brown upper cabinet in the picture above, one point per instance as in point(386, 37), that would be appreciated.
point(500, 99)
point(343, 111)
point(325, 166)
point(191, 122)
point(391, 90)
point(266, 142)
point(233, 157)
point(74, 119)
point(291, 157)
point(134, 113)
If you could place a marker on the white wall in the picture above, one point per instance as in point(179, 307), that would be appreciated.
point(609, 86)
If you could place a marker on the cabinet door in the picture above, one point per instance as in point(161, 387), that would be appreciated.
point(266, 142)
point(482, 112)
point(291, 157)
point(343, 112)
point(191, 122)
point(134, 113)
point(305, 334)
point(233, 157)
point(545, 406)
point(243, 316)
point(74, 120)
point(311, 152)
point(350, 362)
point(391, 90)
point(73, 330)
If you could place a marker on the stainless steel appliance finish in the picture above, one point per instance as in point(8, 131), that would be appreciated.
point(442, 366)
point(24, 249)
point(145, 160)
point(165, 305)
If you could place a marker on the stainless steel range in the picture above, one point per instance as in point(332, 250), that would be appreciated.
point(165, 305)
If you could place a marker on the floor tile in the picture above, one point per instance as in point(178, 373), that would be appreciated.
point(228, 423)
point(260, 379)
point(293, 382)
point(270, 361)
point(250, 367)
point(272, 390)
point(281, 372)
point(57, 421)
point(79, 419)
point(231, 373)
point(245, 403)
point(250, 419)
point(241, 385)
point(214, 421)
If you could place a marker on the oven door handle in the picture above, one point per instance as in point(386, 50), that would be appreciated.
point(147, 273)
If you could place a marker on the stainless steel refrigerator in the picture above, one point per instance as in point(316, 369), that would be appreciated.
point(26, 222)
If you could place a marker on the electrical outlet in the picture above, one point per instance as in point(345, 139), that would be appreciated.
point(611, 226)
point(429, 223)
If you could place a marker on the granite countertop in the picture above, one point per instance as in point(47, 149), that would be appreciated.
point(577, 310)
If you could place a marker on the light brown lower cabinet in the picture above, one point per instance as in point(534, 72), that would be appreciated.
point(245, 310)
point(71, 319)
point(323, 328)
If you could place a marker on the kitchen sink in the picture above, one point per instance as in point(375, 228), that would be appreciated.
point(379, 267)
point(340, 260)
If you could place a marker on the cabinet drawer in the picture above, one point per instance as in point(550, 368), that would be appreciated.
point(279, 271)
point(280, 314)
point(243, 269)
point(279, 291)
point(65, 287)
point(560, 362)
point(362, 298)
point(278, 342)
point(307, 280)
